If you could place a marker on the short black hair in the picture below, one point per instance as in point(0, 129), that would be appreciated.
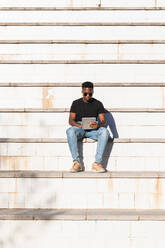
point(87, 84)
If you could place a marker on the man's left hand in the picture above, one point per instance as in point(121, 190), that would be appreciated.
point(94, 125)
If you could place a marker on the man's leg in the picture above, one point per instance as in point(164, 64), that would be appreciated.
point(101, 135)
point(73, 134)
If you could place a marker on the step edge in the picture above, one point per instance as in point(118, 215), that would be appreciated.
point(81, 8)
point(82, 41)
point(86, 174)
point(51, 84)
point(85, 140)
point(83, 214)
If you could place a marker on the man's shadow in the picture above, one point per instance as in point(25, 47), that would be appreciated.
point(111, 125)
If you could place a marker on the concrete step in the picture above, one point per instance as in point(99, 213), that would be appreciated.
point(54, 125)
point(84, 174)
point(83, 62)
point(67, 32)
point(80, 192)
point(112, 84)
point(62, 97)
point(89, 233)
point(82, 42)
point(85, 140)
point(56, 156)
point(102, 17)
point(80, 8)
point(65, 73)
point(80, 52)
point(66, 110)
point(72, 24)
point(84, 3)
point(84, 215)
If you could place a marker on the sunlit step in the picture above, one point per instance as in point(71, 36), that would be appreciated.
point(101, 16)
point(103, 52)
point(82, 3)
point(82, 32)
point(65, 73)
point(121, 155)
point(62, 97)
point(54, 125)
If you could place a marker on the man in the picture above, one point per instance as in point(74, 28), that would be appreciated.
point(87, 107)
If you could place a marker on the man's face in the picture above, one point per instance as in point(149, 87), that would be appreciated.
point(87, 94)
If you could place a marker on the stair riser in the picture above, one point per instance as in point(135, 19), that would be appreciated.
point(63, 73)
point(83, 33)
point(39, 97)
point(59, 132)
point(83, 3)
point(54, 125)
point(86, 233)
point(82, 16)
point(115, 163)
point(82, 193)
point(80, 51)
point(15, 156)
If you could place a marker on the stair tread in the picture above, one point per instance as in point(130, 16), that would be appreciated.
point(78, 8)
point(154, 61)
point(83, 214)
point(82, 41)
point(85, 140)
point(119, 84)
point(64, 110)
point(84, 174)
point(82, 23)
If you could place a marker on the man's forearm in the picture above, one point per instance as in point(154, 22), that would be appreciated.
point(102, 123)
point(74, 123)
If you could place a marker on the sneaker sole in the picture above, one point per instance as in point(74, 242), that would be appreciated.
point(75, 171)
point(98, 171)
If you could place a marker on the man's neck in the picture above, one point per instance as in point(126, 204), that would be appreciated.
point(85, 101)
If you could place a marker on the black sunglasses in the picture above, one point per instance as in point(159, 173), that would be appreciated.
point(85, 94)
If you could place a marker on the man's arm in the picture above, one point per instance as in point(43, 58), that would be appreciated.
point(103, 122)
point(72, 122)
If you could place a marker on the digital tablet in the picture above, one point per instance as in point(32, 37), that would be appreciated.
point(86, 122)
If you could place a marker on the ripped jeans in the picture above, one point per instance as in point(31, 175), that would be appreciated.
point(101, 135)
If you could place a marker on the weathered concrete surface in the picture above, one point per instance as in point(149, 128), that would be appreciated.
point(79, 52)
point(53, 125)
point(62, 97)
point(82, 214)
point(85, 192)
point(66, 73)
point(86, 174)
point(56, 156)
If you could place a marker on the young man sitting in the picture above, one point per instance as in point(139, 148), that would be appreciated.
point(87, 106)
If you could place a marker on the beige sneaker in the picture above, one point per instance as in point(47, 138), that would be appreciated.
point(76, 167)
point(97, 167)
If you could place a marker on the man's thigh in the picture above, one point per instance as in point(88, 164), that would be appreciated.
point(92, 134)
point(78, 131)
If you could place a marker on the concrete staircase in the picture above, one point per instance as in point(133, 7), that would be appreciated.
point(47, 49)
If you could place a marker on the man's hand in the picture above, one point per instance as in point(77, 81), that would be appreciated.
point(94, 125)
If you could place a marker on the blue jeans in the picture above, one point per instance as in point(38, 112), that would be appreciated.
point(101, 135)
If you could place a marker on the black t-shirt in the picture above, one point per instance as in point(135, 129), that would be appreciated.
point(90, 109)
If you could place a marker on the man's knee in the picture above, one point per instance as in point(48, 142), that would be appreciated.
point(103, 132)
point(70, 132)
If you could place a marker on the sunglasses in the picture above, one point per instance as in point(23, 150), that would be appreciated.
point(85, 94)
